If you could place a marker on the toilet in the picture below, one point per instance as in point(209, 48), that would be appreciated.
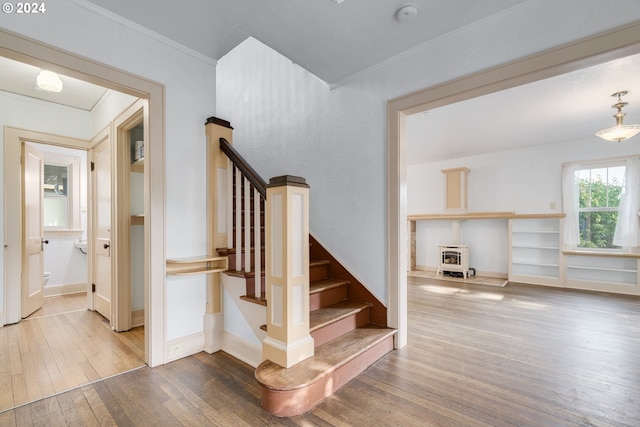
point(46, 278)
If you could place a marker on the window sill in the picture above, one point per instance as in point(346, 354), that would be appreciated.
point(602, 253)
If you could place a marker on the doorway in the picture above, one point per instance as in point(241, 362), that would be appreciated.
point(607, 46)
point(39, 54)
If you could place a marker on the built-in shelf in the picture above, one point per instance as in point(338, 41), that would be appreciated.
point(197, 265)
point(534, 249)
point(138, 166)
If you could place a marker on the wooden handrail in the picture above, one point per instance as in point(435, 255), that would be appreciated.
point(244, 167)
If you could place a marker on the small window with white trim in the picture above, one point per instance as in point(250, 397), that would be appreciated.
point(61, 192)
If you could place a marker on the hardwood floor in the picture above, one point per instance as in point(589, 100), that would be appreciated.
point(60, 347)
point(477, 356)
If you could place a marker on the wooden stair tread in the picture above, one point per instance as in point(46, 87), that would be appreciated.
point(327, 315)
point(318, 262)
point(327, 358)
point(325, 284)
point(242, 273)
point(260, 301)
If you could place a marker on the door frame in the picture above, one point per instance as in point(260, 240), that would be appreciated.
point(14, 138)
point(606, 46)
point(27, 50)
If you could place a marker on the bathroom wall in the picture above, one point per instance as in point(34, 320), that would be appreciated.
point(67, 264)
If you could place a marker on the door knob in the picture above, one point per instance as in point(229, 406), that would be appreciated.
point(46, 242)
point(106, 246)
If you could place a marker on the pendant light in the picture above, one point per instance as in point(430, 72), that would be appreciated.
point(619, 132)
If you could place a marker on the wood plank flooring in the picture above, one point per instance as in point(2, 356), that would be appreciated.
point(60, 347)
point(477, 356)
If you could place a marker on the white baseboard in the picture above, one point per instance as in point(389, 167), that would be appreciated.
point(183, 347)
point(69, 288)
point(245, 351)
point(213, 329)
point(137, 318)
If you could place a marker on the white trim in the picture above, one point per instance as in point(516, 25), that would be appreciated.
point(144, 31)
point(66, 289)
point(213, 328)
point(184, 346)
point(137, 318)
point(243, 350)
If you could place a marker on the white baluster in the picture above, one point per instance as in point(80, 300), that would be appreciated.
point(247, 226)
point(238, 199)
point(230, 195)
point(257, 243)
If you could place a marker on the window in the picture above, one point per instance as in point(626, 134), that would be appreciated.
point(600, 188)
point(61, 192)
point(601, 203)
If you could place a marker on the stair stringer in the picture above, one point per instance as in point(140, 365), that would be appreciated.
point(242, 337)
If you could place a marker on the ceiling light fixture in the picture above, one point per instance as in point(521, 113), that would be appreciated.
point(619, 132)
point(407, 12)
point(49, 81)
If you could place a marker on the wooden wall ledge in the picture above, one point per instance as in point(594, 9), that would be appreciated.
point(481, 215)
point(197, 265)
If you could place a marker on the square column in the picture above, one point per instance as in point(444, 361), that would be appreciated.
point(217, 164)
point(287, 272)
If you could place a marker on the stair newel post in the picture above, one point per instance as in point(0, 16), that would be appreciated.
point(287, 272)
point(217, 200)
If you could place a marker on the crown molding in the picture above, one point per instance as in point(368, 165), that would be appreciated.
point(143, 31)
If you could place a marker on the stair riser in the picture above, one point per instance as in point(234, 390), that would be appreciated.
point(232, 260)
point(327, 297)
point(334, 330)
point(296, 402)
point(250, 289)
point(318, 272)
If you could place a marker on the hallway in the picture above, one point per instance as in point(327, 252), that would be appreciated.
point(60, 347)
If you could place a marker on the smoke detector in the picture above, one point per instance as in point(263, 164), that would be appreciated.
point(407, 12)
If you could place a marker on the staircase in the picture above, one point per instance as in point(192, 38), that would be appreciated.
point(346, 343)
point(347, 322)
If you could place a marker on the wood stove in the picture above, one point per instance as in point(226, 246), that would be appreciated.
point(454, 258)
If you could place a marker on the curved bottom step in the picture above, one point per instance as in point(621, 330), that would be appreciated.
point(294, 391)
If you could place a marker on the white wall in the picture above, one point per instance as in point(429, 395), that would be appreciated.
point(286, 121)
point(79, 27)
point(522, 181)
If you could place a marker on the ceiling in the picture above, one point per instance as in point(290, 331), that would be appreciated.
point(19, 78)
point(333, 39)
point(336, 40)
point(569, 107)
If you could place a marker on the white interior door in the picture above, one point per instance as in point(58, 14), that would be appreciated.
point(33, 227)
point(102, 261)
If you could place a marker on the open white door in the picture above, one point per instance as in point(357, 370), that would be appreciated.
point(101, 263)
point(33, 227)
